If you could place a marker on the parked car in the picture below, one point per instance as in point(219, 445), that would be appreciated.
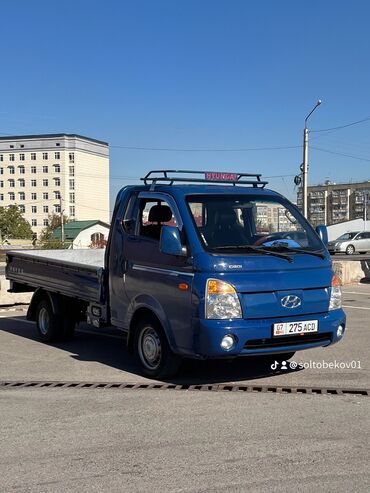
point(192, 270)
point(349, 243)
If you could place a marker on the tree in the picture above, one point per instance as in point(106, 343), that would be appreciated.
point(13, 224)
point(46, 237)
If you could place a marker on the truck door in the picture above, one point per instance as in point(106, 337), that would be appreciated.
point(152, 278)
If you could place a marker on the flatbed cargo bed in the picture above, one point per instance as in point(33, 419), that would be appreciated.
point(74, 273)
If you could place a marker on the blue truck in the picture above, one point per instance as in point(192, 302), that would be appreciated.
point(197, 265)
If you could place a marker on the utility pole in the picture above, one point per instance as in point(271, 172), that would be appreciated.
point(304, 167)
point(61, 220)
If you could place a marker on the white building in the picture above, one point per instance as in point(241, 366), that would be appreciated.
point(41, 173)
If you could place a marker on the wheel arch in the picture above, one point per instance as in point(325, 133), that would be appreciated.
point(42, 294)
point(147, 306)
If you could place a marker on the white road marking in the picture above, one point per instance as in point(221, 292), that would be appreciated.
point(354, 292)
point(356, 307)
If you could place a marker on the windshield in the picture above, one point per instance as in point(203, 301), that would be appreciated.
point(347, 236)
point(232, 222)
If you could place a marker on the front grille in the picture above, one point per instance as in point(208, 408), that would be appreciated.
point(287, 341)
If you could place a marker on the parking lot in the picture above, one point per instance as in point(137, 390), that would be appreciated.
point(167, 440)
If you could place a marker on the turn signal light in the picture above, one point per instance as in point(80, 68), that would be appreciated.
point(215, 286)
point(335, 281)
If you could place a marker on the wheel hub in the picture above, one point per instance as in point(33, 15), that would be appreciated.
point(44, 321)
point(150, 348)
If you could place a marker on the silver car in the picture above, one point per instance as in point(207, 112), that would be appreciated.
point(349, 243)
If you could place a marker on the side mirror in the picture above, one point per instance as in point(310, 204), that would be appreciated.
point(323, 233)
point(170, 242)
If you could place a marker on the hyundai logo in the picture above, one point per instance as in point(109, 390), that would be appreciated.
point(291, 301)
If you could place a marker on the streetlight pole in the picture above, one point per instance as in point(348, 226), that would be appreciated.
point(304, 167)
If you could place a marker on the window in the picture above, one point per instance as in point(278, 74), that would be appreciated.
point(57, 195)
point(21, 157)
point(71, 210)
point(33, 156)
point(45, 169)
point(11, 183)
point(33, 169)
point(11, 146)
point(45, 156)
point(153, 215)
point(72, 198)
point(11, 170)
point(21, 146)
point(21, 169)
point(45, 183)
point(57, 144)
point(56, 182)
point(1, 184)
point(33, 196)
point(34, 209)
point(11, 196)
point(22, 209)
point(33, 222)
point(57, 208)
point(22, 196)
point(21, 182)
point(11, 157)
point(1, 196)
point(71, 171)
point(1, 157)
point(57, 155)
point(56, 168)
point(33, 183)
point(1, 171)
point(45, 209)
point(97, 238)
point(71, 157)
point(45, 195)
point(45, 222)
point(71, 184)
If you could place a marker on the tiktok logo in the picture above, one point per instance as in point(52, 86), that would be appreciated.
point(276, 364)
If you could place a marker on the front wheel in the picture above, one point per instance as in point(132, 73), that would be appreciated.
point(153, 352)
point(350, 250)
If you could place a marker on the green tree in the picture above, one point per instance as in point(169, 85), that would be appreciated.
point(13, 224)
point(46, 237)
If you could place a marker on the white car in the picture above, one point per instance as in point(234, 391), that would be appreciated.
point(349, 243)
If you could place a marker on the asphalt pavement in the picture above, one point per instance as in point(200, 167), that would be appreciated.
point(182, 441)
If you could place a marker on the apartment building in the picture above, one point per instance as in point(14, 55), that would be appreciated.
point(43, 174)
point(332, 203)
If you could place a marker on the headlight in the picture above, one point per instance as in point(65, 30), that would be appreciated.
point(335, 294)
point(222, 302)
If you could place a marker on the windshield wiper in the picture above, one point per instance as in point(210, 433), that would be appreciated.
point(256, 249)
point(297, 250)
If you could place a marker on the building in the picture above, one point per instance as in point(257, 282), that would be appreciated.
point(272, 218)
point(332, 203)
point(42, 173)
point(84, 234)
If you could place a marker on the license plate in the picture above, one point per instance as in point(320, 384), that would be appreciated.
point(291, 328)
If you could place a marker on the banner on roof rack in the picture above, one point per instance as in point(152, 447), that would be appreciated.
point(216, 176)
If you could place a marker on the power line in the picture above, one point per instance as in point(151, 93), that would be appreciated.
point(342, 126)
point(340, 154)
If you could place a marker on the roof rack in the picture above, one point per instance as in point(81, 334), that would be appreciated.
point(166, 176)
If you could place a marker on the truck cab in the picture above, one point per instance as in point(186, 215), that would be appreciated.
point(217, 266)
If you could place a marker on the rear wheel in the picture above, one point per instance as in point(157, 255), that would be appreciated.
point(350, 250)
point(48, 326)
point(152, 350)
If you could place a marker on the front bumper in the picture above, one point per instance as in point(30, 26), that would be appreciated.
point(337, 248)
point(254, 337)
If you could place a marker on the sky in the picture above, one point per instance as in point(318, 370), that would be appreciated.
point(195, 84)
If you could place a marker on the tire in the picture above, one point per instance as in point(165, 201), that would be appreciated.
point(152, 351)
point(350, 250)
point(49, 327)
